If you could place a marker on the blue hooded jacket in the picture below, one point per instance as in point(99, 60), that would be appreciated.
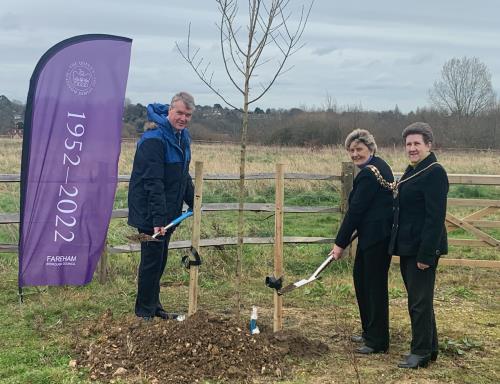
point(158, 113)
point(160, 179)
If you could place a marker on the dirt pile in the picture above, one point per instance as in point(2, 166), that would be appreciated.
point(204, 346)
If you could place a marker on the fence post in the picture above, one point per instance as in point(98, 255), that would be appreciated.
point(278, 244)
point(102, 266)
point(347, 178)
point(195, 240)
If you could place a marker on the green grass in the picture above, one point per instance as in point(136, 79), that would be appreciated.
point(9, 198)
point(474, 192)
point(36, 337)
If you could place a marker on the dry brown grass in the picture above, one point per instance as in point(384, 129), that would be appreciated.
point(224, 158)
point(328, 160)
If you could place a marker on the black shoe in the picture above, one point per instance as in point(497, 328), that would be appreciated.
point(161, 313)
point(434, 355)
point(415, 361)
point(357, 339)
point(165, 315)
point(147, 318)
point(366, 350)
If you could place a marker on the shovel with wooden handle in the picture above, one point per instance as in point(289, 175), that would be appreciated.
point(143, 237)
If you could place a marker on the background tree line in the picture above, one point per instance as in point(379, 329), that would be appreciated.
point(316, 127)
point(464, 113)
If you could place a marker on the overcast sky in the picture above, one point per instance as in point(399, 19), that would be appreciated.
point(376, 54)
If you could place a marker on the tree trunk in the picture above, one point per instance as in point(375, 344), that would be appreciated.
point(241, 202)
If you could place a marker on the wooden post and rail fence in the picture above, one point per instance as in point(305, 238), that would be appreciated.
point(473, 223)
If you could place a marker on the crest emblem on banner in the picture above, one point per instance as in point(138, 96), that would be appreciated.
point(80, 78)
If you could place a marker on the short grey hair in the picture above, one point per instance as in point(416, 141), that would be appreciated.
point(419, 128)
point(361, 136)
point(186, 98)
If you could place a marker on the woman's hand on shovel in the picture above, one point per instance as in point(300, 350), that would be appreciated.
point(336, 252)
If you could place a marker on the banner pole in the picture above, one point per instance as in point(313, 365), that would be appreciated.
point(21, 298)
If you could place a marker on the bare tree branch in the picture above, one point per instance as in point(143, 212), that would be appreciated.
point(230, 40)
point(268, 24)
point(290, 49)
point(202, 75)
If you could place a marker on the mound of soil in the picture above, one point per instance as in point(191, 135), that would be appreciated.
point(204, 346)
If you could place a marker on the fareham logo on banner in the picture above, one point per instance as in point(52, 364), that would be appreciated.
point(80, 78)
point(58, 261)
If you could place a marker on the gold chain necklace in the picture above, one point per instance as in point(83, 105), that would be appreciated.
point(394, 186)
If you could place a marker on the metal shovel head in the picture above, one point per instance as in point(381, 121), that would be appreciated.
point(298, 284)
point(143, 238)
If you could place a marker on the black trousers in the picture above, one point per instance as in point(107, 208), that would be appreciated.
point(420, 287)
point(370, 274)
point(154, 256)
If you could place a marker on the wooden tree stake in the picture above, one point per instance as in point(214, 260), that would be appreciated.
point(195, 241)
point(278, 244)
point(347, 178)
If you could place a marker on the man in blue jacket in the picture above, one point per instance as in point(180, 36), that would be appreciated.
point(159, 184)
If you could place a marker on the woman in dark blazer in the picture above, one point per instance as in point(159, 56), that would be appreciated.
point(419, 238)
point(370, 214)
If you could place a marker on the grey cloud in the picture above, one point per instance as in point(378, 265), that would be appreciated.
point(417, 59)
point(10, 21)
point(380, 53)
point(421, 58)
point(377, 86)
point(324, 51)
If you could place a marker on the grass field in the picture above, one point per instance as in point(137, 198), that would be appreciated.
point(36, 337)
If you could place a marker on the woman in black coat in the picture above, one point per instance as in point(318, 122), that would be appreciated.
point(419, 238)
point(370, 215)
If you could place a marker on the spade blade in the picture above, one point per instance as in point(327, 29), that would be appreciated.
point(293, 286)
point(143, 238)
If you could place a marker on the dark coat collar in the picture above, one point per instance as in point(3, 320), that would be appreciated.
point(424, 163)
